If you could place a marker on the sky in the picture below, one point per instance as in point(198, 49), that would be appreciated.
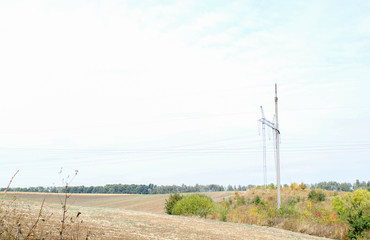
point(169, 92)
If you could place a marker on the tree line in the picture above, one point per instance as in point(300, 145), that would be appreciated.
point(346, 187)
point(155, 189)
point(131, 189)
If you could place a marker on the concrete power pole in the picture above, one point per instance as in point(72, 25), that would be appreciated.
point(277, 135)
point(275, 128)
point(264, 149)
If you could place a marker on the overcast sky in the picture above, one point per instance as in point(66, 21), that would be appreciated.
point(169, 92)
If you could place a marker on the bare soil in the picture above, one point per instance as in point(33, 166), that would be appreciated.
point(124, 224)
point(137, 202)
point(142, 217)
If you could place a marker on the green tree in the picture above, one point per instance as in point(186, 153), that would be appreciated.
point(171, 202)
point(354, 209)
point(196, 204)
point(346, 187)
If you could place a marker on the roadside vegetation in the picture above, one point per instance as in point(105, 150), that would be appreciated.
point(305, 209)
point(317, 212)
point(21, 220)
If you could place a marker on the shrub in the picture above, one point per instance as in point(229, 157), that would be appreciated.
point(257, 200)
point(222, 211)
point(229, 202)
point(317, 196)
point(171, 202)
point(293, 201)
point(294, 186)
point(287, 210)
point(197, 204)
point(354, 209)
point(240, 200)
point(303, 186)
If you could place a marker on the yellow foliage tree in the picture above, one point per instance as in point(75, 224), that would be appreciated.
point(295, 187)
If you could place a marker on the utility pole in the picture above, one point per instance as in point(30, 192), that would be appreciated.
point(262, 120)
point(265, 122)
point(277, 150)
point(275, 128)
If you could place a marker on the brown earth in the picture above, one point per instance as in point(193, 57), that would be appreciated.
point(137, 202)
point(124, 224)
point(142, 217)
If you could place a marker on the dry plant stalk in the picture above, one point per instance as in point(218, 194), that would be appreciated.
point(64, 207)
point(19, 223)
point(67, 181)
point(37, 220)
point(7, 188)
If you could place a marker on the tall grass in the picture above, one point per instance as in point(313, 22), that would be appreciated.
point(21, 220)
point(297, 212)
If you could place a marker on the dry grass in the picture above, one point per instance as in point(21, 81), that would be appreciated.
point(110, 223)
point(32, 220)
point(297, 212)
point(107, 222)
point(19, 220)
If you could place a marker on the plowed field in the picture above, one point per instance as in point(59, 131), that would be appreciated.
point(142, 217)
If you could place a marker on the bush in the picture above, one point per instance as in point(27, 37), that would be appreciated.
point(222, 211)
point(197, 204)
point(287, 210)
point(229, 202)
point(171, 202)
point(240, 200)
point(303, 186)
point(258, 201)
point(293, 201)
point(354, 209)
point(317, 196)
point(295, 187)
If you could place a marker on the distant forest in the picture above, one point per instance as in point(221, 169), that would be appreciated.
point(155, 189)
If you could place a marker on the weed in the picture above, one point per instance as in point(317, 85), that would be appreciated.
point(292, 202)
point(18, 220)
point(240, 200)
point(222, 212)
point(257, 200)
point(295, 214)
point(7, 188)
point(66, 181)
point(317, 196)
